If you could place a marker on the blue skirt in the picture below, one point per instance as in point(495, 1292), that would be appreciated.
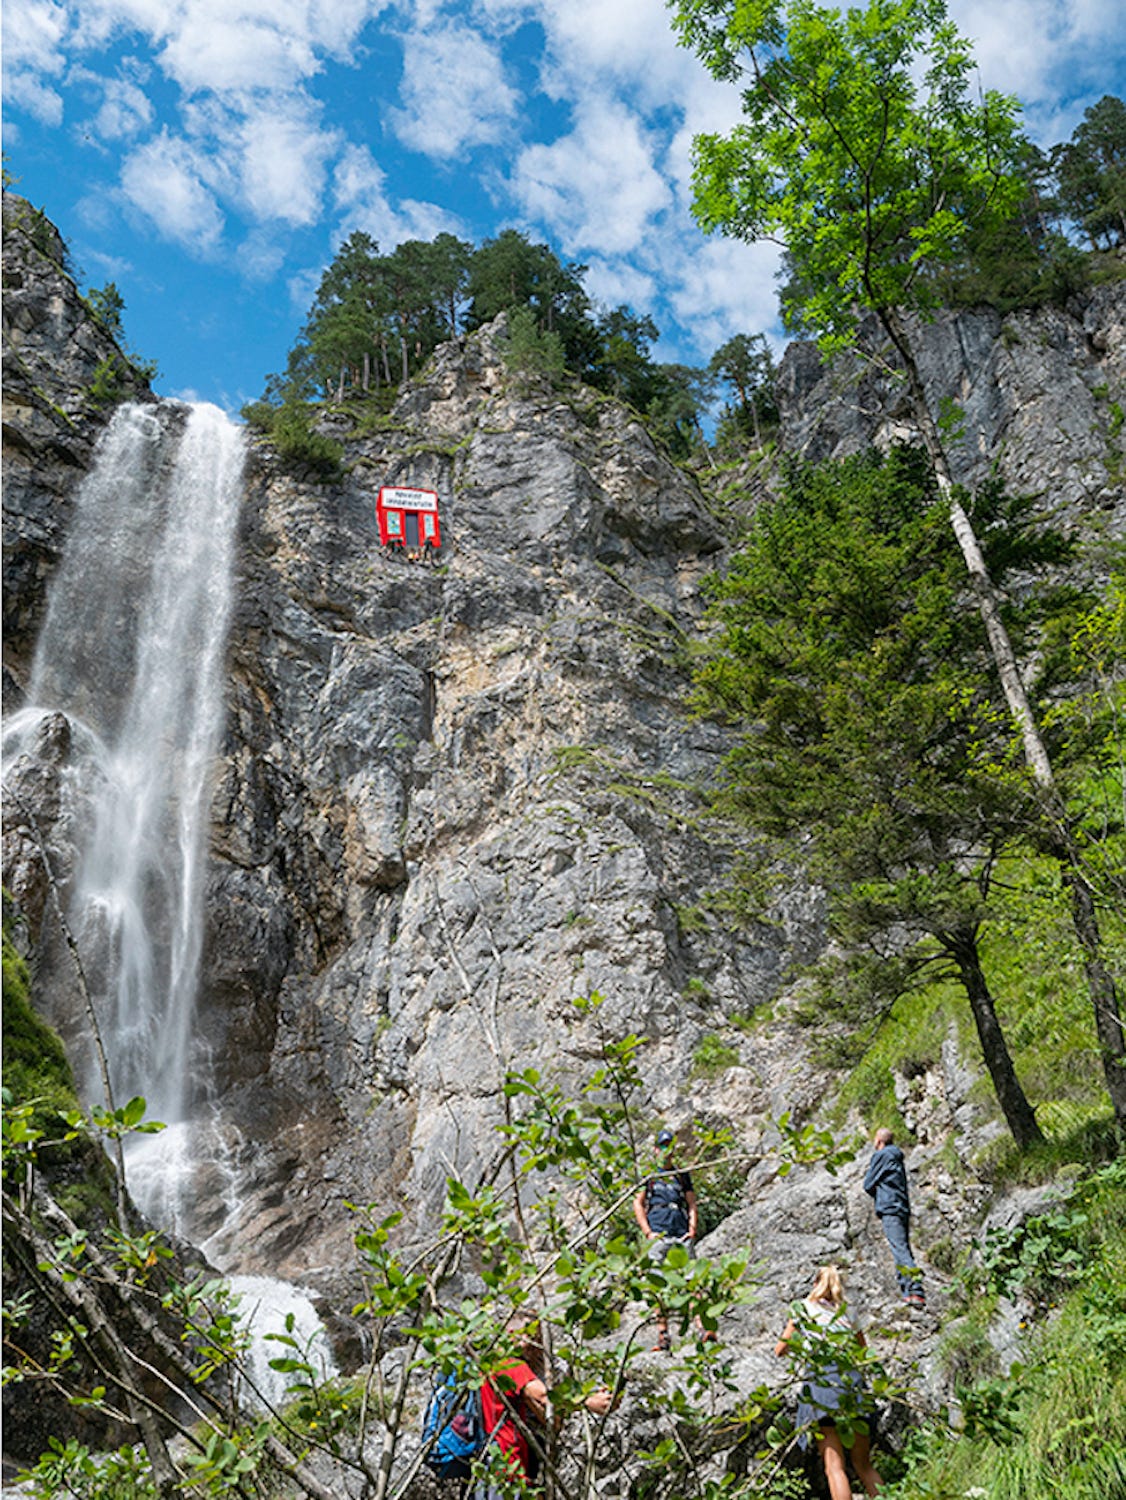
point(824, 1394)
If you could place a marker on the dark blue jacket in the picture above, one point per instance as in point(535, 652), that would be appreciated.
point(886, 1181)
point(666, 1203)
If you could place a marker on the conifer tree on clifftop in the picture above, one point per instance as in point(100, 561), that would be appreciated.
point(870, 180)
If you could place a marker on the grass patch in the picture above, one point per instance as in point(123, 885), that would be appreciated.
point(35, 1065)
point(1064, 1428)
point(713, 1056)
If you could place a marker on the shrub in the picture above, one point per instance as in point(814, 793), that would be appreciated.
point(290, 428)
point(713, 1056)
point(35, 1064)
point(528, 350)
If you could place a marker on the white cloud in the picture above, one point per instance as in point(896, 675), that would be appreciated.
point(612, 282)
point(33, 36)
point(630, 41)
point(359, 191)
point(1056, 58)
point(165, 182)
point(336, 24)
point(282, 167)
point(33, 31)
point(236, 52)
point(358, 178)
point(721, 287)
point(302, 288)
point(597, 188)
point(261, 256)
point(454, 93)
point(220, 45)
point(125, 111)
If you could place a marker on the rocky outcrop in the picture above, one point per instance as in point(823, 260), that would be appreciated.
point(457, 797)
point(1040, 396)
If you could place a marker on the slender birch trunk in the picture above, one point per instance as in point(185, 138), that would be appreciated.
point(1104, 997)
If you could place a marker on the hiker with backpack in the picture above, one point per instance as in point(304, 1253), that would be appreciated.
point(666, 1212)
point(509, 1409)
point(514, 1405)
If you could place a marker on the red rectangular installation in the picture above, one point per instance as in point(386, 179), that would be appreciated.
point(408, 517)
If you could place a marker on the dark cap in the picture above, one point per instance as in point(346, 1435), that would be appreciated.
point(665, 1138)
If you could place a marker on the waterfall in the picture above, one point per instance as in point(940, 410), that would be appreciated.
point(132, 652)
point(267, 1309)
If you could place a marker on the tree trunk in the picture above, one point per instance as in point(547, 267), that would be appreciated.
point(1100, 984)
point(367, 372)
point(962, 947)
point(103, 1344)
point(1104, 996)
point(984, 592)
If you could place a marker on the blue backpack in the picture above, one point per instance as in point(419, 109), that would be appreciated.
point(453, 1430)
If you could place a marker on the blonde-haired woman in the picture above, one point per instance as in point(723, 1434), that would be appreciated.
point(832, 1383)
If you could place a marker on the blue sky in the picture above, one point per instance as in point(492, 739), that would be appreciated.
point(210, 155)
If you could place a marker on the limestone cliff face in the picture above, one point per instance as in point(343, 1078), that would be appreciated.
point(457, 797)
point(453, 798)
point(1040, 395)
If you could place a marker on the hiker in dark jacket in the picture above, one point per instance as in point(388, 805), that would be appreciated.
point(886, 1182)
point(666, 1213)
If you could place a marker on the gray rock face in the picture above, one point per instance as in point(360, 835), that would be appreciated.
point(1038, 391)
point(456, 797)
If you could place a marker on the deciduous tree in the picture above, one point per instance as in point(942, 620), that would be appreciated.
point(871, 178)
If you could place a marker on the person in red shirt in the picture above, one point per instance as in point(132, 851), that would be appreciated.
point(514, 1409)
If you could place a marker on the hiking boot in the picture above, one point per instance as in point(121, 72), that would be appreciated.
point(916, 1299)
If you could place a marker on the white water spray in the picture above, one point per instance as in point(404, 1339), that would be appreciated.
point(272, 1311)
point(132, 649)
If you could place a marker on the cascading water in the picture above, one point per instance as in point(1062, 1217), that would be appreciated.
point(132, 653)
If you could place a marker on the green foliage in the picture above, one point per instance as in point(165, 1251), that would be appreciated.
point(675, 397)
point(1056, 1423)
point(259, 415)
point(871, 725)
point(377, 318)
point(531, 351)
point(107, 305)
point(70, 1468)
point(965, 1353)
point(36, 1070)
point(547, 1228)
point(510, 272)
point(712, 1056)
point(1091, 169)
point(1037, 1258)
point(289, 425)
point(109, 385)
point(721, 1183)
point(115, 379)
point(745, 366)
point(863, 172)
